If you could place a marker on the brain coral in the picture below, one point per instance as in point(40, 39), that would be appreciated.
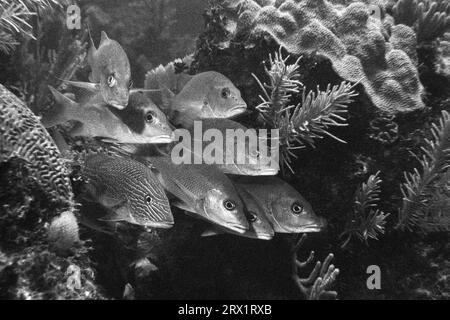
point(356, 43)
point(23, 136)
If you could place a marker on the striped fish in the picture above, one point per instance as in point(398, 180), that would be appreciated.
point(128, 190)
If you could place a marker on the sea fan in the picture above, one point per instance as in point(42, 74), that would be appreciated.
point(367, 222)
point(426, 193)
point(429, 18)
point(300, 124)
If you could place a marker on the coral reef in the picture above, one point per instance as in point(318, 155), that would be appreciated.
point(355, 42)
point(384, 129)
point(24, 137)
point(429, 18)
point(305, 98)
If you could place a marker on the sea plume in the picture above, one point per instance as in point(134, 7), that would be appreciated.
point(426, 191)
point(300, 124)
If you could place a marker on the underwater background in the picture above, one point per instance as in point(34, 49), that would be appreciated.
point(360, 91)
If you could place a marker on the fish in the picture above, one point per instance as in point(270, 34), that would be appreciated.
point(247, 158)
point(110, 72)
point(129, 190)
point(201, 190)
point(284, 207)
point(206, 95)
point(140, 122)
point(259, 226)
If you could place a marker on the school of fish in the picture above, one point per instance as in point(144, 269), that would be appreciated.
point(246, 199)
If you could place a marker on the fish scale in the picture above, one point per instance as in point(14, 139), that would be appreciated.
point(24, 137)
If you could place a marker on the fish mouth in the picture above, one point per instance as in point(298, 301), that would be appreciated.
point(117, 105)
point(266, 172)
point(235, 111)
point(252, 171)
point(263, 236)
point(164, 138)
point(309, 228)
point(238, 228)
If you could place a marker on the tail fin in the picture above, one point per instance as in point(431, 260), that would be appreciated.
point(63, 111)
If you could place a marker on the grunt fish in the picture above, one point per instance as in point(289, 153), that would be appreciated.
point(129, 190)
point(285, 208)
point(206, 95)
point(202, 190)
point(140, 122)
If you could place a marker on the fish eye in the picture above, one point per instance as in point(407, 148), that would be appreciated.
point(252, 217)
point(297, 208)
point(225, 92)
point(229, 205)
point(111, 81)
point(148, 199)
point(149, 117)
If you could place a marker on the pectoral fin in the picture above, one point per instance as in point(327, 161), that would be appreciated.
point(90, 86)
point(110, 202)
point(120, 212)
point(182, 205)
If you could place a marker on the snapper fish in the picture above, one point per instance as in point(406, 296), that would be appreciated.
point(284, 207)
point(129, 190)
point(110, 72)
point(245, 158)
point(201, 190)
point(206, 95)
point(259, 226)
point(140, 122)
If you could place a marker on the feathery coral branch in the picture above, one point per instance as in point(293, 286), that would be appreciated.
point(426, 193)
point(283, 83)
point(311, 119)
point(13, 20)
point(367, 221)
point(300, 124)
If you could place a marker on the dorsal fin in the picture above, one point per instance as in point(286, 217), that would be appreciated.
point(104, 37)
point(92, 50)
